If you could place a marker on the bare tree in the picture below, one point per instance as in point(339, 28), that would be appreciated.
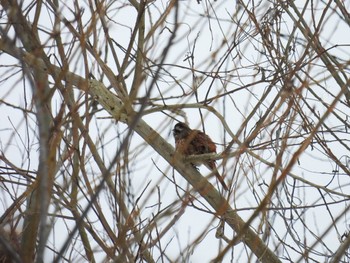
point(91, 90)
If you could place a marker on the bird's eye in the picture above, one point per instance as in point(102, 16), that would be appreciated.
point(179, 128)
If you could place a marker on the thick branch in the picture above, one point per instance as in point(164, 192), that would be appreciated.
point(114, 106)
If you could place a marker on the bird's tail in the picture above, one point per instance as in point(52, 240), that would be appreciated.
point(212, 166)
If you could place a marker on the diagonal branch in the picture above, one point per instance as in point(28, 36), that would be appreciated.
point(115, 107)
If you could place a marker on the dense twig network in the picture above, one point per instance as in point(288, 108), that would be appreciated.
point(91, 91)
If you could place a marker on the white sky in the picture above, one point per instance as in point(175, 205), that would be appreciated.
point(16, 132)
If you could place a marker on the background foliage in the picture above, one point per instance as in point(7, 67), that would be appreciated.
point(90, 92)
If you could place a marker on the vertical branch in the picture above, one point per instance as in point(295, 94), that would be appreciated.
point(140, 24)
point(35, 224)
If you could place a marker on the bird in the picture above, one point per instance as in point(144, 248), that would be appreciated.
point(193, 142)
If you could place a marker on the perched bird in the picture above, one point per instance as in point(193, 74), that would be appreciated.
point(190, 142)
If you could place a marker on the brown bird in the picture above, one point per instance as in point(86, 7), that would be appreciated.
point(190, 142)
